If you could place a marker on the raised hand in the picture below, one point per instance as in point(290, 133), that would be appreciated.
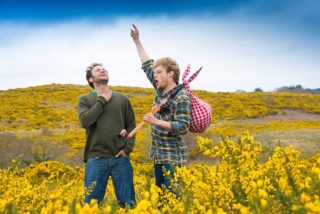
point(134, 33)
point(136, 39)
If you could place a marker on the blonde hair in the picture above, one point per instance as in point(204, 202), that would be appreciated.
point(170, 65)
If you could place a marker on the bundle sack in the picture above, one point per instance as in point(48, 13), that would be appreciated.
point(200, 118)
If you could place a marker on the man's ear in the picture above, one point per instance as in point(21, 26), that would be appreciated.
point(91, 79)
point(171, 74)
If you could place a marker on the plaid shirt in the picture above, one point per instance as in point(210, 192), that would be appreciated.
point(167, 146)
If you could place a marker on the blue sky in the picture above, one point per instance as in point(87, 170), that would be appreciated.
point(241, 44)
point(60, 10)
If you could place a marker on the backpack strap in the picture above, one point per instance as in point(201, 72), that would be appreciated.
point(169, 99)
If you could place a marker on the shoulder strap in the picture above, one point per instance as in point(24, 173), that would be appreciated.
point(170, 98)
point(179, 87)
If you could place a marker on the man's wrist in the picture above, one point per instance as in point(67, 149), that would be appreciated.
point(137, 41)
point(158, 122)
point(164, 124)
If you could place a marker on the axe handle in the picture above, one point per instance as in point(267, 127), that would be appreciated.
point(154, 110)
point(133, 132)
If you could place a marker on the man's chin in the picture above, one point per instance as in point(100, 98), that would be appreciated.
point(158, 85)
point(106, 81)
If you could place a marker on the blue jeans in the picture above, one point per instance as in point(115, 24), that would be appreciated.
point(97, 174)
point(161, 178)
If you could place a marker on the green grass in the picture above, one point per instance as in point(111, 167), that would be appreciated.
point(306, 141)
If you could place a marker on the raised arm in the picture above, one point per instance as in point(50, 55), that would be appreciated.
point(144, 57)
point(136, 39)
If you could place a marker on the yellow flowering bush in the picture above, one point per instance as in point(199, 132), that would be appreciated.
point(238, 183)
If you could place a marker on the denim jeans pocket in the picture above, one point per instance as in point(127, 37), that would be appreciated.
point(92, 159)
point(122, 157)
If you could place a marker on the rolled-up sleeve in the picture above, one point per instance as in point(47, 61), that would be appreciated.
point(181, 116)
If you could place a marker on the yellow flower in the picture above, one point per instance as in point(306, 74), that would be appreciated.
point(143, 205)
point(244, 210)
point(263, 202)
point(108, 209)
point(312, 207)
point(259, 183)
point(220, 211)
point(253, 184)
point(262, 193)
point(304, 197)
point(209, 211)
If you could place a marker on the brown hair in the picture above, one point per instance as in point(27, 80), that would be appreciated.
point(89, 74)
point(170, 65)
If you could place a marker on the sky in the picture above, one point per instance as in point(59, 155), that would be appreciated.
point(241, 44)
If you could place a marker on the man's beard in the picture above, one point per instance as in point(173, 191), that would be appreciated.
point(103, 81)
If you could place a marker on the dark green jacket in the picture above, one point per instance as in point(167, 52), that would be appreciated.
point(103, 121)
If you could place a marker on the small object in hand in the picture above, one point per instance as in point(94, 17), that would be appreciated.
point(123, 132)
point(122, 138)
point(123, 135)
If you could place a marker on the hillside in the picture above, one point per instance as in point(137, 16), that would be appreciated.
point(244, 173)
point(44, 120)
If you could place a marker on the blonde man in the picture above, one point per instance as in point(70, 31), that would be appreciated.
point(168, 149)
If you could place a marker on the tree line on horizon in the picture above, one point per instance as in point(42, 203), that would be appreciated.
point(293, 88)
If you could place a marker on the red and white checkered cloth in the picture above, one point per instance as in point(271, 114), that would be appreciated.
point(200, 111)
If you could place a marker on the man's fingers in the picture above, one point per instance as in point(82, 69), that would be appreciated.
point(119, 153)
point(135, 27)
point(145, 118)
point(136, 31)
point(123, 132)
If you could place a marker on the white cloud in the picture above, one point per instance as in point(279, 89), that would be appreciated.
point(235, 55)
